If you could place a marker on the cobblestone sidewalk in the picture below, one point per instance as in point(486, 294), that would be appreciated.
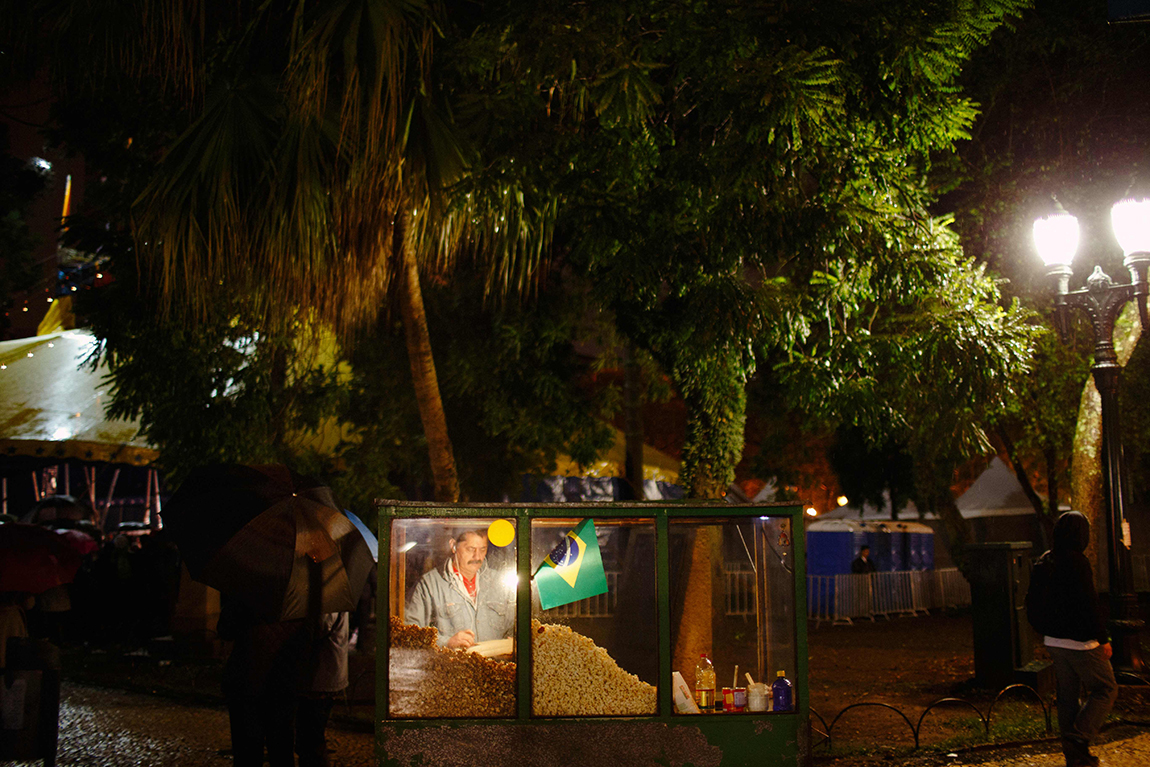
point(1133, 751)
point(109, 728)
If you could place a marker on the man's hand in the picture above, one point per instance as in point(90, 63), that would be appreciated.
point(466, 638)
point(1107, 651)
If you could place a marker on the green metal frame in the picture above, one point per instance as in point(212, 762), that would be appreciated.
point(735, 739)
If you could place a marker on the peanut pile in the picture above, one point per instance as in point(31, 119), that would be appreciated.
point(432, 681)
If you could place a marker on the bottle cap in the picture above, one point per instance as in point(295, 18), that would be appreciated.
point(702, 655)
point(781, 673)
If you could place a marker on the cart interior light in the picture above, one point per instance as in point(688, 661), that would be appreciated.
point(407, 547)
point(1131, 222)
point(511, 579)
point(1056, 238)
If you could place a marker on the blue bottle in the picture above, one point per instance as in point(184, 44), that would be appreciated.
point(782, 693)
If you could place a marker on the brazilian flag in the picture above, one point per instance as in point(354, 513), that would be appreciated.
point(573, 570)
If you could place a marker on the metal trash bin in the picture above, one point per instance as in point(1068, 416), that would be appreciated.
point(30, 701)
point(999, 575)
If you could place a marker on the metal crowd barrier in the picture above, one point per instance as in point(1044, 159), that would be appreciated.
point(1140, 564)
point(847, 598)
point(834, 598)
point(601, 606)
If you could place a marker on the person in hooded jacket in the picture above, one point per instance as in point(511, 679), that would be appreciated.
point(1063, 606)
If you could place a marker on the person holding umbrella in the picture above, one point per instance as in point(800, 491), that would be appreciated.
point(33, 560)
point(284, 559)
point(13, 621)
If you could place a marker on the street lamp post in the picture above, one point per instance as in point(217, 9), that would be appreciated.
point(1056, 238)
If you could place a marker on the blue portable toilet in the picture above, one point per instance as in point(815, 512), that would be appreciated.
point(918, 545)
point(832, 544)
point(883, 553)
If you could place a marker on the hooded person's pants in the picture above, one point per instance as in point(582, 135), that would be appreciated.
point(1086, 690)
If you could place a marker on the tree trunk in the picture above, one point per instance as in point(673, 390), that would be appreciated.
point(633, 424)
point(1086, 462)
point(955, 527)
point(279, 399)
point(423, 366)
point(714, 391)
point(1020, 472)
point(702, 603)
point(1043, 517)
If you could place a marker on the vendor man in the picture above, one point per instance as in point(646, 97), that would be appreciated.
point(464, 599)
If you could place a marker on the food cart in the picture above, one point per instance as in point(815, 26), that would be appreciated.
point(606, 679)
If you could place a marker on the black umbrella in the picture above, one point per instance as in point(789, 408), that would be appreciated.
point(270, 537)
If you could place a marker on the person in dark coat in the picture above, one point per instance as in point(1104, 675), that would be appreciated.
point(328, 678)
point(269, 665)
point(863, 563)
point(1064, 607)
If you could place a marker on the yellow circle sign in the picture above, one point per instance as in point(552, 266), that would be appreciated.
point(500, 532)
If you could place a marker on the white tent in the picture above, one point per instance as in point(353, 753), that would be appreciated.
point(996, 493)
point(52, 404)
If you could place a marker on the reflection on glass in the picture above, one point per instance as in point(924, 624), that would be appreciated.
point(453, 618)
point(598, 656)
point(732, 600)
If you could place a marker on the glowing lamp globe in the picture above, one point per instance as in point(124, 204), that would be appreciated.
point(1131, 222)
point(1056, 238)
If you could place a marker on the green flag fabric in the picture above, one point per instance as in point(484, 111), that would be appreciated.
point(573, 570)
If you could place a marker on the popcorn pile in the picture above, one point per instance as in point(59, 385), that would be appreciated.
point(575, 677)
point(572, 677)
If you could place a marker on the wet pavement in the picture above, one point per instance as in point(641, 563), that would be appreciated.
point(109, 728)
point(1132, 751)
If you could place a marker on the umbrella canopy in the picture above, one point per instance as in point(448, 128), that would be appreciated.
point(368, 535)
point(82, 543)
point(58, 508)
point(34, 559)
point(270, 537)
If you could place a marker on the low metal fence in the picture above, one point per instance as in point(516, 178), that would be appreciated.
point(847, 598)
point(824, 735)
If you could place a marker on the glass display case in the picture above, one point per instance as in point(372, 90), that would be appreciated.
point(622, 633)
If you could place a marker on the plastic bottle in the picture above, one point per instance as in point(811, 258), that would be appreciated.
point(782, 693)
point(705, 684)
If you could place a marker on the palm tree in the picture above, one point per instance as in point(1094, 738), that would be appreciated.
point(313, 169)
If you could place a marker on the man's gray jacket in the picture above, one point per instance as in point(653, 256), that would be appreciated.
point(440, 600)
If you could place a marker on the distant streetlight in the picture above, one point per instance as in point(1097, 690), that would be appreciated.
point(1056, 238)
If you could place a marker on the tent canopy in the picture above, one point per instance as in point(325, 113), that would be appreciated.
point(52, 404)
point(996, 493)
